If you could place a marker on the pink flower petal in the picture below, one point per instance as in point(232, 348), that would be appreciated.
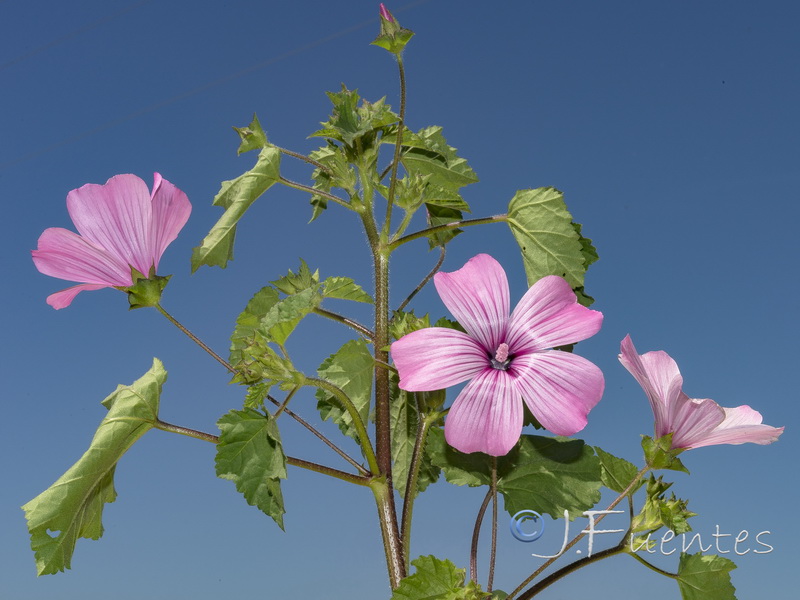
point(66, 255)
point(741, 424)
point(435, 358)
point(690, 420)
point(65, 297)
point(477, 296)
point(660, 379)
point(171, 210)
point(560, 388)
point(548, 316)
point(116, 216)
point(486, 416)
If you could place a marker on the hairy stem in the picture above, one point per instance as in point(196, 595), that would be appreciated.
point(423, 427)
point(476, 531)
point(311, 190)
point(397, 145)
point(320, 437)
point(577, 538)
point(426, 280)
point(493, 553)
point(454, 225)
point(358, 423)
point(304, 158)
point(571, 568)
point(365, 331)
point(195, 339)
point(290, 460)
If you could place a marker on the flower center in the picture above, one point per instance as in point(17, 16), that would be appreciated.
point(501, 360)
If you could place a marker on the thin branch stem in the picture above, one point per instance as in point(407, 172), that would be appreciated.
point(358, 423)
point(195, 339)
point(577, 538)
point(290, 460)
point(304, 158)
point(426, 280)
point(424, 423)
point(571, 568)
point(365, 331)
point(321, 437)
point(447, 226)
point(650, 565)
point(493, 553)
point(311, 190)
point(387, 224)
point(473, 551)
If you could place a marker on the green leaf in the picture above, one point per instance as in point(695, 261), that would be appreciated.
point(350, 369)
point(428, 153)
point(344, 288)
point(616, 473)
point(442, 215)
point(253, 136)
point(247, 323)
point(705, 577)
point(282, 318)
point(250, 454)
point(236, 196)
point(73, 505)
point(292, 283)
point(550, 242)
point(548, 475)
point(434, 579)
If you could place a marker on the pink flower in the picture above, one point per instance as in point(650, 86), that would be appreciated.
point(507, 359)
point(385, 13)
point(121, 225)
point(693, 423)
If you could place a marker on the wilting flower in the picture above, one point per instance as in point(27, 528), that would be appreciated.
point(693, 423)
point(121, 225)
point(507, 358)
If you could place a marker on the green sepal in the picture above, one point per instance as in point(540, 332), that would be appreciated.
point(659, 453)
point(338, 173)
point(355, 126)
point(436, 579)
point(548, 475)
point(659, 511)
point(617, 473)
point(705, 577)
point(145, 291)
point(253, 136)
point(392, 37)
point(73, 505)
point(236, 196)
point(351, 369)
point(550, 242)
point(250, 454)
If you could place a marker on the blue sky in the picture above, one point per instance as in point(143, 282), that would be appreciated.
point(672, 129)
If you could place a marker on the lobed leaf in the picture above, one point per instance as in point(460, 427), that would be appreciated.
point(550, 242)
point(436, 579)
point(73, 505)
point(705, 577)
point(616, 473)
point(250, 454)
point(548, 475)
